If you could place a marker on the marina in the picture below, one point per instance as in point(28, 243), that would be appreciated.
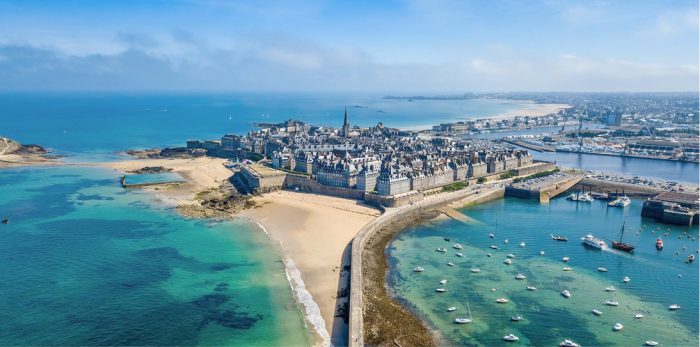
point(653, 290)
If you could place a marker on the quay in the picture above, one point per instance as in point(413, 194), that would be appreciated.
point(673, 208)
point(545, 188)
point(147, 180)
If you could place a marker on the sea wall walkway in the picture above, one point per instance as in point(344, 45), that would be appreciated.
point(413, 211)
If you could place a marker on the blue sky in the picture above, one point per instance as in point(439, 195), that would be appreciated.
point(315, 45)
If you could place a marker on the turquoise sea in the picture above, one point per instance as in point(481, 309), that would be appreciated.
point(658, 278)
point(85, 262)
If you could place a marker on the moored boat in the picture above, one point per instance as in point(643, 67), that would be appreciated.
point(501, 300)
point(626, 279)
point(674, 307)
point(651, 343)
point(418, 269)
point(659, 244)
point(493, 247)
point(597, 312)
point(541, 252)
point(522, 244)
point(449, 263)
point(520, 277)
point(510, 255)
point(440, 290)
point(566, 269)
point(612, 303)
point(610, 289)
point(510, 338)
point(602, 269)
point(638, 316)
point(621, 245)
point(565, 293)
point(618, 326)
point(565, 259)
point(516, 318)
point(459, 254)
point(559, 238)
point(463, 320)
point(690, 259)
point(531, 288)
point(457, 246)
point(568, 343)
point(622, 201)
point(475, 270)
point(508, 261)
point(441, 250)
point(452, 308)
point(443, 282)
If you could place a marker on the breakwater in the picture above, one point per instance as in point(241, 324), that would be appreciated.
point(391, 216)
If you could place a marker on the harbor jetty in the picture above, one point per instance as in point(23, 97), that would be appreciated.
point(543, 188)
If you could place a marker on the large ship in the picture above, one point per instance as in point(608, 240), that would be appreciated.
point(621, 245)
point(592, 241)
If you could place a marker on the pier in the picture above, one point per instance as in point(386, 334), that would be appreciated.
point(543, 189)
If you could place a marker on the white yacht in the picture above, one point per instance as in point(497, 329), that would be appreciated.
point(565, 259)
point(638, 316)
point(476, 270)
point(507, 261)
point(618, 326)
point(443, 282)
point(463, 320)
point(602, 269)
point(592, 241)
point(568, 343)
point(516, 319)
point(449, 263)
point(493, 247)
point(612, 303)
point(418, 269)
point(610, 289)
point(510, 255)
point(597, 312)
point(651, 343)
point(522, 244)
point(450, 309)
point(457, 246)
point(531, 288)
point(541, 252)
point(622, 201)
point(441, 290)
point(626, 279)
point(520, 277)
point(441, 250)
point(674, 307)
point(501, 300)
point(459, 254)
point(565, 293)
point(511, 338)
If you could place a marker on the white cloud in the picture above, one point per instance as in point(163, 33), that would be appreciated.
point(677, 22)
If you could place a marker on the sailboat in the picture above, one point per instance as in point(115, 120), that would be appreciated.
point(621, 245)
point(464, 320)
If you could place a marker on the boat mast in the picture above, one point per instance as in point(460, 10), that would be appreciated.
point(470, 310)
point(622, 232)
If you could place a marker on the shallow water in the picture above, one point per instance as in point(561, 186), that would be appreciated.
point(85, 262)
point(548, 316)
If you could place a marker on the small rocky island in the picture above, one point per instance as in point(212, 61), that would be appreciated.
point(13, 153)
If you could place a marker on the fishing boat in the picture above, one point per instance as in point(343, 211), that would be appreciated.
point(612, 303)
point(622, 201)
point(651, 343)
point(659, 244)
point(602, 269)
point(522, 244)
point(510, 255)
point(440, 290)
point(516, 319)
point(418, 269)
point(511, 338)
point(565, 293)
point(626, 279)
point(621, 245)
point(568, 343)
point(457, 246)
point(674, 307)
point(459, 254)
point(594, 242)
point(450, 309)
point(638, 316)
point(441, 250)
point(610, 289)
point(508, 261)
point(531, 288)
point(618, 326)
point(501, 300)
point(476, 270)
point(597, 312)
point(520, 277)
point(559, 238)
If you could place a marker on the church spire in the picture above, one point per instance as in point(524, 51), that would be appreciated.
point(346, 125)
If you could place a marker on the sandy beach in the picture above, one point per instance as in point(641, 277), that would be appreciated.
point(200, 173)
point(315, 232)
point(532, 110)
